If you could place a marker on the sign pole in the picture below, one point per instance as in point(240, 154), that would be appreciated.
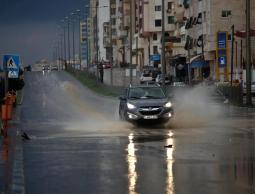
point(232, 54)
point(248, 55)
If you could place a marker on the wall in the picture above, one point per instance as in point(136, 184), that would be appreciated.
point(119, 77)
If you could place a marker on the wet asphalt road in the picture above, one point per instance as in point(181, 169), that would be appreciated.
point(78, 145)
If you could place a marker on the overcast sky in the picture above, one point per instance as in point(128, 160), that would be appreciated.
point(28, 27)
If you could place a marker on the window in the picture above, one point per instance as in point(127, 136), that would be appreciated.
point(113, 21)
point(157, 23)
point(225, 13)
point(113, 11)
point(158, 8)
point(170, 5)
point(170, 19)
point(155, 37)
point(155, 50)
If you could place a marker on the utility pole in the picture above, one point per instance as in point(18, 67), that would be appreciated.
point(232, 53)
point(248, 54)
point(97, 47)
point(163, 63)
point(111, 49)
point(130, 41)
point(88, 42)
point(64, 29)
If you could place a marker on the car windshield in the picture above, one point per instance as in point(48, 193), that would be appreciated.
point(146, 92)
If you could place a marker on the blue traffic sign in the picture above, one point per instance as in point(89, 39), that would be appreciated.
point(155, 57)
point(222, 40)
point(11, 63)
point(222, 61)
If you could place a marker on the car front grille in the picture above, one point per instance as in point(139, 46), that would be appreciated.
point(150, 110)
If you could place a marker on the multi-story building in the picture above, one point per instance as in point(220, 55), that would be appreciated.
point(84, 44)
point(113, 31)
point(103, 18)
point(209, 28)
point(148, 28)
point(93, 32)
point(107, 40)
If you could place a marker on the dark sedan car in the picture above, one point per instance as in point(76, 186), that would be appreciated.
point(145, 103)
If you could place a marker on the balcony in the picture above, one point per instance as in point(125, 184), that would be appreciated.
point(123, 34)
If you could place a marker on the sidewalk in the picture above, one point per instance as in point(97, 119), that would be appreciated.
point(11, 159)
point(6, 160)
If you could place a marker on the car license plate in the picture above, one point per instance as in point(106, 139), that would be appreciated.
point(150, 117)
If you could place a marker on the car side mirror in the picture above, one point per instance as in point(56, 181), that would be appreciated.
point(122, 97)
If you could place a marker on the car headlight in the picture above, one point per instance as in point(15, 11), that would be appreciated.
point(168, 105)
point(131, 106)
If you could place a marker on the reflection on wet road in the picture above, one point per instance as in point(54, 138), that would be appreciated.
point(169, 155)
point(131, 159)
point(78, 146)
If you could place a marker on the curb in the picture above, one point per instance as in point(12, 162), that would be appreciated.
point(18, 181)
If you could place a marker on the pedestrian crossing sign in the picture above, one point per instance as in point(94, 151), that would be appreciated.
point(13, 74)
point(11, 63)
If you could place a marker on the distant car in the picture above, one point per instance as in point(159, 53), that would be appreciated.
point(159, 79)
point(107, 65)
point(145, 102)
point(54, 68)
point(179, 84)
point(46, 68)
point(252, 88)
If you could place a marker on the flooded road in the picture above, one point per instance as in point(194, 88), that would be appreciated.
point(78, 145)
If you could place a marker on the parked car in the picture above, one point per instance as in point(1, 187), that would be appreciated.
point(107, 65)
point(145, 102)
point(159, 79)
point(54, 68)
point(179, 84)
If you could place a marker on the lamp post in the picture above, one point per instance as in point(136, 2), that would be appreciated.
point(68, 40)
point(248, 54)
point(130, 42)
point(64, 41)
point(73, 25)
point(79, 23)
point(61, 50)
point(163, 63)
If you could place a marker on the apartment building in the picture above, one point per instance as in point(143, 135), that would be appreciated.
point(83, 41)
point(209, 24)
point(103, 18)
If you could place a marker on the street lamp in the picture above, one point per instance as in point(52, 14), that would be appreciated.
point(248, 54)
point(64, 30)
point(68, 40)
point(79, 23)
point(163, 63)
point(73, 25)
point(130, 42)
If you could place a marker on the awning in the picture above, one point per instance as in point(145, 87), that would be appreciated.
point(242, 33)
point(199, 64)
